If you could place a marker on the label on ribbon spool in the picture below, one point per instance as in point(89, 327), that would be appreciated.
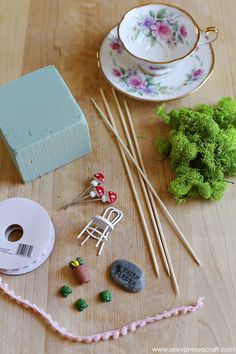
point(27, 236)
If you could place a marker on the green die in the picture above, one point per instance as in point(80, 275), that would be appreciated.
point(65, 291)
point(106, 296)
point(81, 305)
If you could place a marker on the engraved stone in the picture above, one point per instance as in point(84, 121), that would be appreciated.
point(127, 276)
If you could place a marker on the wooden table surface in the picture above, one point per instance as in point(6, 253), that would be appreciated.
point(67, 34)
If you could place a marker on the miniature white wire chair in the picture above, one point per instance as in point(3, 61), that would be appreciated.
point(100, 227)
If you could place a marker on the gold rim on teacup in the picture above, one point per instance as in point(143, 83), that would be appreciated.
point(211, 29)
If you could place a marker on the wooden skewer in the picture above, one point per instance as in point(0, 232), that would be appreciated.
point(145, 189)
point(162, 236)
point(133, 188)
point(129, 155)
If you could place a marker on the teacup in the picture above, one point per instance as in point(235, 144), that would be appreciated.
point(158, 36)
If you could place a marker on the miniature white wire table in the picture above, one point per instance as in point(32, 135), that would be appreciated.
point(100, 227)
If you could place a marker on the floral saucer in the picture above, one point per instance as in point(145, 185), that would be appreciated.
point(127, 77)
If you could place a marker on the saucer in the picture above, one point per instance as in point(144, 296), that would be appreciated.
point(127, 77)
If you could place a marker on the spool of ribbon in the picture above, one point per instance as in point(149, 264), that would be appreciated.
point(35, 236)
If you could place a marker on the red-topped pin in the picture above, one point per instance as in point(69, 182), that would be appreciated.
point(99, 177)
point(97, 192)
point(110, 197)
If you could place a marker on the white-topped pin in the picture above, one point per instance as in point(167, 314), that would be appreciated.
point(98, 180)
point(96, 193)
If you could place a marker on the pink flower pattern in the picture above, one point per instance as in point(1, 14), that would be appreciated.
point(183, 31)
point(163, 30)
point(196, 73)
point(116, 72)
point(161, 25)
point(116, 45)
point(135, 81)
point(142, 84)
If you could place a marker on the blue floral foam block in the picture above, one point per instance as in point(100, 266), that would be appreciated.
point(41, 124)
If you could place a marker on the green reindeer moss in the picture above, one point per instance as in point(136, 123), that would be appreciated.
point(201, 146)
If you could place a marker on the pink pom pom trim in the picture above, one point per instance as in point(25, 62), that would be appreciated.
point(112, 334)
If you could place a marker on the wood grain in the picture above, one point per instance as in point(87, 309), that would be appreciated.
point(67, 33)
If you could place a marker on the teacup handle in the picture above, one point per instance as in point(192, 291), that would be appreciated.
point(208, 35)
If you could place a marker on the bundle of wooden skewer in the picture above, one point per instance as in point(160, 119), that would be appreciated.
point(133, 153)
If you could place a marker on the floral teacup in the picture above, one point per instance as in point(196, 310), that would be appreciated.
point(158, 36)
